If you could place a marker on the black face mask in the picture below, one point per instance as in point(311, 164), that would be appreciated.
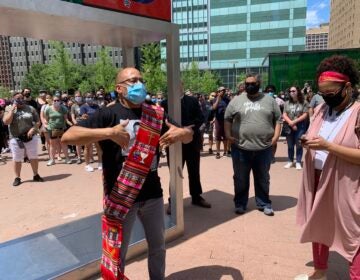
point(334, 100)
point(252, 88)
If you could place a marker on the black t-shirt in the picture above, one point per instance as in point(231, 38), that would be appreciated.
point(114, 157)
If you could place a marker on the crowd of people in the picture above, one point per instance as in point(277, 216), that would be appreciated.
point(130, 128)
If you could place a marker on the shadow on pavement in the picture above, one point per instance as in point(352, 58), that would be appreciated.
point(212, 272)
point(282, 202)
point(56, 177)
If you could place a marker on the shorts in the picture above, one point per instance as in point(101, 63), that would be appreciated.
point(210, 131)
point(219, 131)
point(31, 148)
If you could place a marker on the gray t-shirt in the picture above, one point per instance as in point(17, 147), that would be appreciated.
point(295, 110)
point(253, 121)
point(75, 109)
point(23, 120)
point(316, 100)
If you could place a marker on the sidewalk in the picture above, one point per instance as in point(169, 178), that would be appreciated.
point(217, 244)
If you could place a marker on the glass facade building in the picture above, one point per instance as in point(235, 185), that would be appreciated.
point(234, 36)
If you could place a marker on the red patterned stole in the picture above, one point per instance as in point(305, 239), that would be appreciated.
point(132, 176)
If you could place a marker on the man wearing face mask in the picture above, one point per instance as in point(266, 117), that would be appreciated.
point(23, 122)
point(129, 191)
point(89, 108)
point(26, 92)
point(252, 124)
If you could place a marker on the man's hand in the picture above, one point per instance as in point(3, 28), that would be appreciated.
point(231, 139)
point(120, 135)
point(274, 141)
point(31, 132)
point(317, 143)
point(175, 134)
point(84, 116)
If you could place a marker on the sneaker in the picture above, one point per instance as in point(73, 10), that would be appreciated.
point(17, 181)
point(224, 154)
point(210, 151)
point(298, 166)
point(5, 150)
point(37, 178)
point(79, 161)
point(89, 168)
point(68, 161)
point(59, 158)
point(240, 210)
point(268, 211)
point(50, 162)
point(289, 165)
point(217, 155)
point(43, 148)
point(306, 277)
point(100, 166)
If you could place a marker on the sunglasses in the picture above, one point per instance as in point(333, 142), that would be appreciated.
point(250, 84)
point(133, 80)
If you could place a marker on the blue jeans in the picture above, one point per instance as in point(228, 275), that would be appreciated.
point(151, 215)
point(259, 162)
point(293, 139)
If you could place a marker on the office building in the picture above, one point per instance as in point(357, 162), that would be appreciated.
point(235, 36)
point(317, 38)
point(27, 51)
point(6, 75)
point(344, 29)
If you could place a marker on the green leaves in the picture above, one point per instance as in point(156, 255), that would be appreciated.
point(199, 81)
point(151, 70)
point(63, 74)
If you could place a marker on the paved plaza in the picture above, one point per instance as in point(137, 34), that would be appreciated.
point(217, 244)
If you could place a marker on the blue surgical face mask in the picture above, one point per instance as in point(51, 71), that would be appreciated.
point(136, 93)
point(78, 99)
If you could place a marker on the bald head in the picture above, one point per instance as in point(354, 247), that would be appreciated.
point(126, 74)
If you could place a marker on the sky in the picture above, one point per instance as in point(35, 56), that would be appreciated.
point(318, 11)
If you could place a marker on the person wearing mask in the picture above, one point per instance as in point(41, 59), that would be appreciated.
point(219, 107)
point(210, 121)
point(23, 122)
point(40, 101)
point(295, 123)
point(86, 110)
point(121, 136)
point(100, 99)
point(271, 91)
point(328, 204)
point(75, 118)
point(55, 120)
point(26, 92)
point(159, 98)
point(252, 124)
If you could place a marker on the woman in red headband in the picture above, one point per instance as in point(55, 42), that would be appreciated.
point(329, 200)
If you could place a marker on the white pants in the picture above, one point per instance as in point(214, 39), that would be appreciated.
point(30, 147)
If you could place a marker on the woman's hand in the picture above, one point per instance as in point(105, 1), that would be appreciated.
point(317, 143)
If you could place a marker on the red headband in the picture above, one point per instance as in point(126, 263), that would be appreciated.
point(333, 77)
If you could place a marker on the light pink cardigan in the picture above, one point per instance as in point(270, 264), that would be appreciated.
point(334, 217)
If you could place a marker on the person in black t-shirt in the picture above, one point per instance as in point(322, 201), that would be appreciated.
point(115, 128)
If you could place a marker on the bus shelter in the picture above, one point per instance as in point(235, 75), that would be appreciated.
point(108, 23)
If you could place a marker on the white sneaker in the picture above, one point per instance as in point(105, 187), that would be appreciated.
point(68, 161)
point(50, 162)
point(89, 168)
point(289, 165)
point(298, 166)
point(100, 166)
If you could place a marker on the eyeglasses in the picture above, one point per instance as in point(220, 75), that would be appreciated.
point(332, 92)
point(133, 80)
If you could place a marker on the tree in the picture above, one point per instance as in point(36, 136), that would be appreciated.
point(105, 72)
point(151, 70)
point(199, 81)
point(4, 92)
point(36, 78)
